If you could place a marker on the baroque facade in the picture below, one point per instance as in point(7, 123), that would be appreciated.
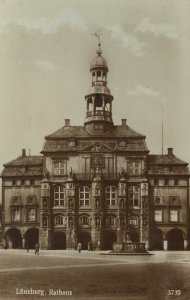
point(96, 184)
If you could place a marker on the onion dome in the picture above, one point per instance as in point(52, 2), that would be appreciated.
point(99, 61)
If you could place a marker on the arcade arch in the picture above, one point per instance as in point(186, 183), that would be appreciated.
point(14, 238)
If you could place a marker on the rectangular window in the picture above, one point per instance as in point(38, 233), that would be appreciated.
point(156, 182)
point(158, 217)
point(176, 182)
point(16, 215)
point(134, 167)
point(32, 182)
point(110, 194)
point(32, 215)
point(59, 167)
point(86, 165)
point(133, 222)
point(166, 182)
point(84, 195)
point(109, 165)
point(174, 215)
point(59, 196)
point(72, 143)
point(134, 196)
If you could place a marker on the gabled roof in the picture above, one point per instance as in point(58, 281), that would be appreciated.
point(155, 159)
point(80, 132)
point(25, 161)
point(24, 166)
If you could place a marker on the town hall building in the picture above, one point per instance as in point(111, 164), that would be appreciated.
point(96, 184)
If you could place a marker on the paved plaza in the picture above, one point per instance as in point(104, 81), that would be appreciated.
point(66, 274)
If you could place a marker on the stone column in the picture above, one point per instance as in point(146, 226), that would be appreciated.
point(165, 245)
point(147, 245)
point(185, 244)
point(119, 235)
point(23, 243)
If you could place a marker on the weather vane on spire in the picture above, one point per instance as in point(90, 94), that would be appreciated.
point(98, 34)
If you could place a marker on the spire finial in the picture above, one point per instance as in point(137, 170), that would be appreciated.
point(97, 34)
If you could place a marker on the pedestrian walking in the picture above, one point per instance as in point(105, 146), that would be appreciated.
point(79, 247)
point(36, 249)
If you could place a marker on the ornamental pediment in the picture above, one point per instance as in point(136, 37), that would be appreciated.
point(97, 147)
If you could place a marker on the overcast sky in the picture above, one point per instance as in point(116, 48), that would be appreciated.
point(46, 47)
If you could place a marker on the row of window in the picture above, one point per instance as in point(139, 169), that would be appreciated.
point(31, 215)
point(60, 220)
point(173, 200)
point(133, 167)
point(173, 215)
point(23, 182)
point(110, 195)
point(166, 182)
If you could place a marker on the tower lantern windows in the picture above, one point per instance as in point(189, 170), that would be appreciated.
point(98, 102)
point(99, 75)
point(93, 76)
point(104, 76)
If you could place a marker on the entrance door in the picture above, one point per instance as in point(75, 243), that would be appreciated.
point(14, 238)
point(59, 241)
point(32, 238)
point(108, 238)
point(157, 240)
point(84, 238)
point(175, 240)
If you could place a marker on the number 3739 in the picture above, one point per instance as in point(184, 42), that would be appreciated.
point(174, 292)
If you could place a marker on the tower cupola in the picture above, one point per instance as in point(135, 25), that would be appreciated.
point(99, 98)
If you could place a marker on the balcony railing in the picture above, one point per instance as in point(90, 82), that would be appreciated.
point(90, 176)
point(98, 113)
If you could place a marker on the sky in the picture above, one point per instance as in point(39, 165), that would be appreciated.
point(46, 47)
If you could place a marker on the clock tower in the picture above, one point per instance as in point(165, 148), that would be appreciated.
point(99, 99)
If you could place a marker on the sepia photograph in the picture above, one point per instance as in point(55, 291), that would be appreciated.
point(95, 149)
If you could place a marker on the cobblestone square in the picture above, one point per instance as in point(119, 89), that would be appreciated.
point(89, 275)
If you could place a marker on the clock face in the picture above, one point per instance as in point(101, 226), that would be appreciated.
point(97, 160)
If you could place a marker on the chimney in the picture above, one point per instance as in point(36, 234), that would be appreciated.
point(23, 152)
point(170, 151)
point(67, 122)
point(124, 122)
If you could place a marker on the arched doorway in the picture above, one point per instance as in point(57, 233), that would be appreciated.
point(175, 240)
point(14, 238)
point(31, 238)
point(108, 238)
point(84, 238)
point(157, 240)
point(59, 240)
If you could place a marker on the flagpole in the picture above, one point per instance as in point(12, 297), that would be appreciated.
point(162, 132)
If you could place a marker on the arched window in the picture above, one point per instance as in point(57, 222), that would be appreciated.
point(110, 195)
point(84, 195)
point(110, 221)
point(59, 195)
point(84, 220)
point(60, 220)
